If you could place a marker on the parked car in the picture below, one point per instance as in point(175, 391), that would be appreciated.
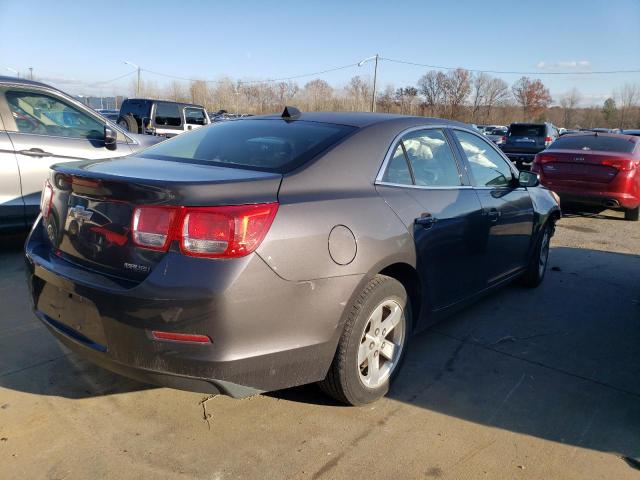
point(496, 135)
point(39, 126)
point(524, 140)
point(109, 114)
point(568, 131)
point(275, 251)
point(594, 169)
point(635, 133)
point(160, 117)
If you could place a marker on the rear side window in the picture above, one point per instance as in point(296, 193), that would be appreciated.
point(266, 145)
point(194, 116)
point(527, 131)
point(138, 108)
point(168, 114)
point(398, 169)
point(593, 142)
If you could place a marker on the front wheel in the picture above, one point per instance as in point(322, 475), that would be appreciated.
point(537, 268)
point(632, 214)
point(372, 344)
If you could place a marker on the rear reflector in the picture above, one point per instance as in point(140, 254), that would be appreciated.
point(152, 226)
point(46, 199)
point(180, 337)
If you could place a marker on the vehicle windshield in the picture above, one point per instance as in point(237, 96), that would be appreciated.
point(526, 131)
point(270, 145)
point(598, 143)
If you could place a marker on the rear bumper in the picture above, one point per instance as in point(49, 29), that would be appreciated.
point(266, 333)
point(520, 157)
point(605, 196)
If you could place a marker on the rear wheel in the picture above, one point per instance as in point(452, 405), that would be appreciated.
point(129, 123)
point(538, 265)
point(372, 344)
point(632, 214)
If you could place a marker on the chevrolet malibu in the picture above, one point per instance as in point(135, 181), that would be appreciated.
point(264, 253)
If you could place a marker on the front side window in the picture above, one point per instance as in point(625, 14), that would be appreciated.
point(168, 115)
point(194, 116)
point(42, 114)
point(488, 167)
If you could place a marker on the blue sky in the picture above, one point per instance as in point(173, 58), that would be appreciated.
point(74, 44)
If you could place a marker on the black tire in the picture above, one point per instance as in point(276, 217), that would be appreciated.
point(632, 214)
point(129, 123)
point(343, 381)
point(534, 273)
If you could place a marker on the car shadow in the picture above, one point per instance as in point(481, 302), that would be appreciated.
point(576, 211)
point(31, 359)
point(560, 362)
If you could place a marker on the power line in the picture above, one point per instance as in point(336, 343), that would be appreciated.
point(112, 80)
point(506, 72)
point(244, 82)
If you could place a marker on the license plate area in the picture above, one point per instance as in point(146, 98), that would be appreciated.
point(77, 316)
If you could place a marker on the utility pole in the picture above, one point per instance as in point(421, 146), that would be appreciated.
point(138, 84)
point(30, 73)
point(375, 78)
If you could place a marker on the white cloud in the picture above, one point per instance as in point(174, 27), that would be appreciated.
point(563, 64)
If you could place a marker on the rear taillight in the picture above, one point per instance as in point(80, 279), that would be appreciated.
point(548, 141)
point(46, 199)
point(152, 227)
point(503, 139)
point(214, 232)
point(229, 231)
point(623, 164)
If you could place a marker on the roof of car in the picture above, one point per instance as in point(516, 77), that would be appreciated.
point(163, 101)
point(23, 81)
point(361, 119)
point(590, 133)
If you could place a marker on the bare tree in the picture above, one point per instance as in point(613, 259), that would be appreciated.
point(481, 83)
point(532, 96)
point(610, 112)
point(457, 89)
point(385, 99)
point(497, 94)
point(359, 92)
point(569, 102)
point(628, 96)
point(432, 86)
point(318, 93)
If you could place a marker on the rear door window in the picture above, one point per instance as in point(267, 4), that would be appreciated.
point(598, 143)
point(431, 159)
point(168, 115)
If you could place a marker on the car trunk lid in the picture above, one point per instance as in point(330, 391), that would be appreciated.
point(93, 203)
point(580, 166)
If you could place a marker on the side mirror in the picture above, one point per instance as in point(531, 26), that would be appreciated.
point(110, 138)
point(528, 179)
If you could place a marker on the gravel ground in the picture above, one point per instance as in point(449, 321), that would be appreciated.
point(531, 384)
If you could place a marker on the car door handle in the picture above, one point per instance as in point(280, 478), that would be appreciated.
point(494, 214)
point(426, 220)
point(35, 152)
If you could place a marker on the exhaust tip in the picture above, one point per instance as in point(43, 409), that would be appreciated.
point(611, 203)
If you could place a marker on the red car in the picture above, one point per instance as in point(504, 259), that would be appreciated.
point(600, 169)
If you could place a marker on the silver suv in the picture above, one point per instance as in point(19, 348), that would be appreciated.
point(40, 126)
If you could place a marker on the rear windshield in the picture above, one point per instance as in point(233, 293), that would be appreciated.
point(527, 131)
point(266, 145)
point(593, 142)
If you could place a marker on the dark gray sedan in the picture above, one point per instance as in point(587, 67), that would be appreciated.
point(276, 251)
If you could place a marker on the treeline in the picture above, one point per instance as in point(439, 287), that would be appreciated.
point(457, 94)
